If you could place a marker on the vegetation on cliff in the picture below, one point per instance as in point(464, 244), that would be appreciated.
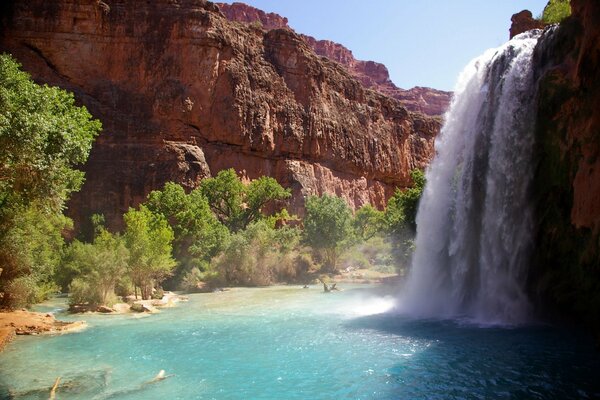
point(556, 11)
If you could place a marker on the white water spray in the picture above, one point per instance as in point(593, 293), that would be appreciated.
point(474, 225)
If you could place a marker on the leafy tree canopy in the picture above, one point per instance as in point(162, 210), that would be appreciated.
point(43, 136)
point(198, 235)
point(96, 268)
point(327, 225)
point(237, 205)
point(148, 237)
point(401, 211)
point(368, 222)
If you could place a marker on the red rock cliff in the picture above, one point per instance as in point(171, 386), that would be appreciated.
point(371, 74)
point(183, 93)
point(523, 21)
point(566, 273)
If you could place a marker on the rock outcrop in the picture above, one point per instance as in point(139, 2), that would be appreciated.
point(244, 13)
point(184, 93)
point(522, 22)
point(371, 74)
point(566, 273)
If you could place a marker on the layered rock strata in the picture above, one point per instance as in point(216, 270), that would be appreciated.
point(371, 74)
point(184, 93)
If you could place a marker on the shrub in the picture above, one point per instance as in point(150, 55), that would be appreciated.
point(327, 227)
point(260, 255)
point(81, 291)
point(556, 10)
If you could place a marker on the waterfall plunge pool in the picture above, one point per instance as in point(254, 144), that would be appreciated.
point(293, 343)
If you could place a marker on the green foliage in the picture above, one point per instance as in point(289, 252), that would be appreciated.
point(400, 217)
point(327, 226)
point(374, 253)
point(237, 205)
point(368, 222)
point(30, 252)
point(556, 10)
point(198, 235)
point(261, 255)
point(95, 269)
point(43, 136)
point(148, 237)
point(401, 211)
point(196, 278)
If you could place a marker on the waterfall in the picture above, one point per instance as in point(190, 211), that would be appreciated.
point(475, 219)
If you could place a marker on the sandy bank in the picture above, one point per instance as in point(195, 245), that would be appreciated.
point(32, 323)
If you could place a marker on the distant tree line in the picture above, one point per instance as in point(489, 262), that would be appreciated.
point(224, 232)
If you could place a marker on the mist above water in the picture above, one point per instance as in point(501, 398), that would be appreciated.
point(474, 225)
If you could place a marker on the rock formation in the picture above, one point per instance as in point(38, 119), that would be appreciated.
point(371, 74)
point(566, 273)
point(522, 22)
point(184, 93)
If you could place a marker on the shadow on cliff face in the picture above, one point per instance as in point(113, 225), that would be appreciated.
point(6, 13)
point(565, 276)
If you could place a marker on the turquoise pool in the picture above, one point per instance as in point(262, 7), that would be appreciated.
point(293, 343)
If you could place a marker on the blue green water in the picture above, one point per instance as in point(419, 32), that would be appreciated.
point(292, 343)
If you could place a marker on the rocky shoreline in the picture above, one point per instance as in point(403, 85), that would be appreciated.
point(23, 322)
point(132, 305)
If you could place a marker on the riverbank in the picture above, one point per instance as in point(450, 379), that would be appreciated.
point(22, 322)
point(132, 305)
point(365, 276)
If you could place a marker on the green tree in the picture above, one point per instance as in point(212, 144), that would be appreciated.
point(148, 238)
point(368, 222)
point(327, 227)
point(30, 255)
point(402, 207)
point(43, 136)
point(400, 217)
point(260, 255)
point(198, 235)
point(96, 268)
point(237, 205)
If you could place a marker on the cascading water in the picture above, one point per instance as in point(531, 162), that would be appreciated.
point(474, 225)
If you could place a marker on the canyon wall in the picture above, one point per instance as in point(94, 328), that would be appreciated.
point(566, 266)
point(371, 74)
point(183, 93)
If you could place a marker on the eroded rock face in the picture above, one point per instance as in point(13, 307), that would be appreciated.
point(522, 22)
point(566, 271)
point(371, 74)
point(244, 13)
point(184, 93)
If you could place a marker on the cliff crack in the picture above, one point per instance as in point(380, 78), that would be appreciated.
point(49, 63)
